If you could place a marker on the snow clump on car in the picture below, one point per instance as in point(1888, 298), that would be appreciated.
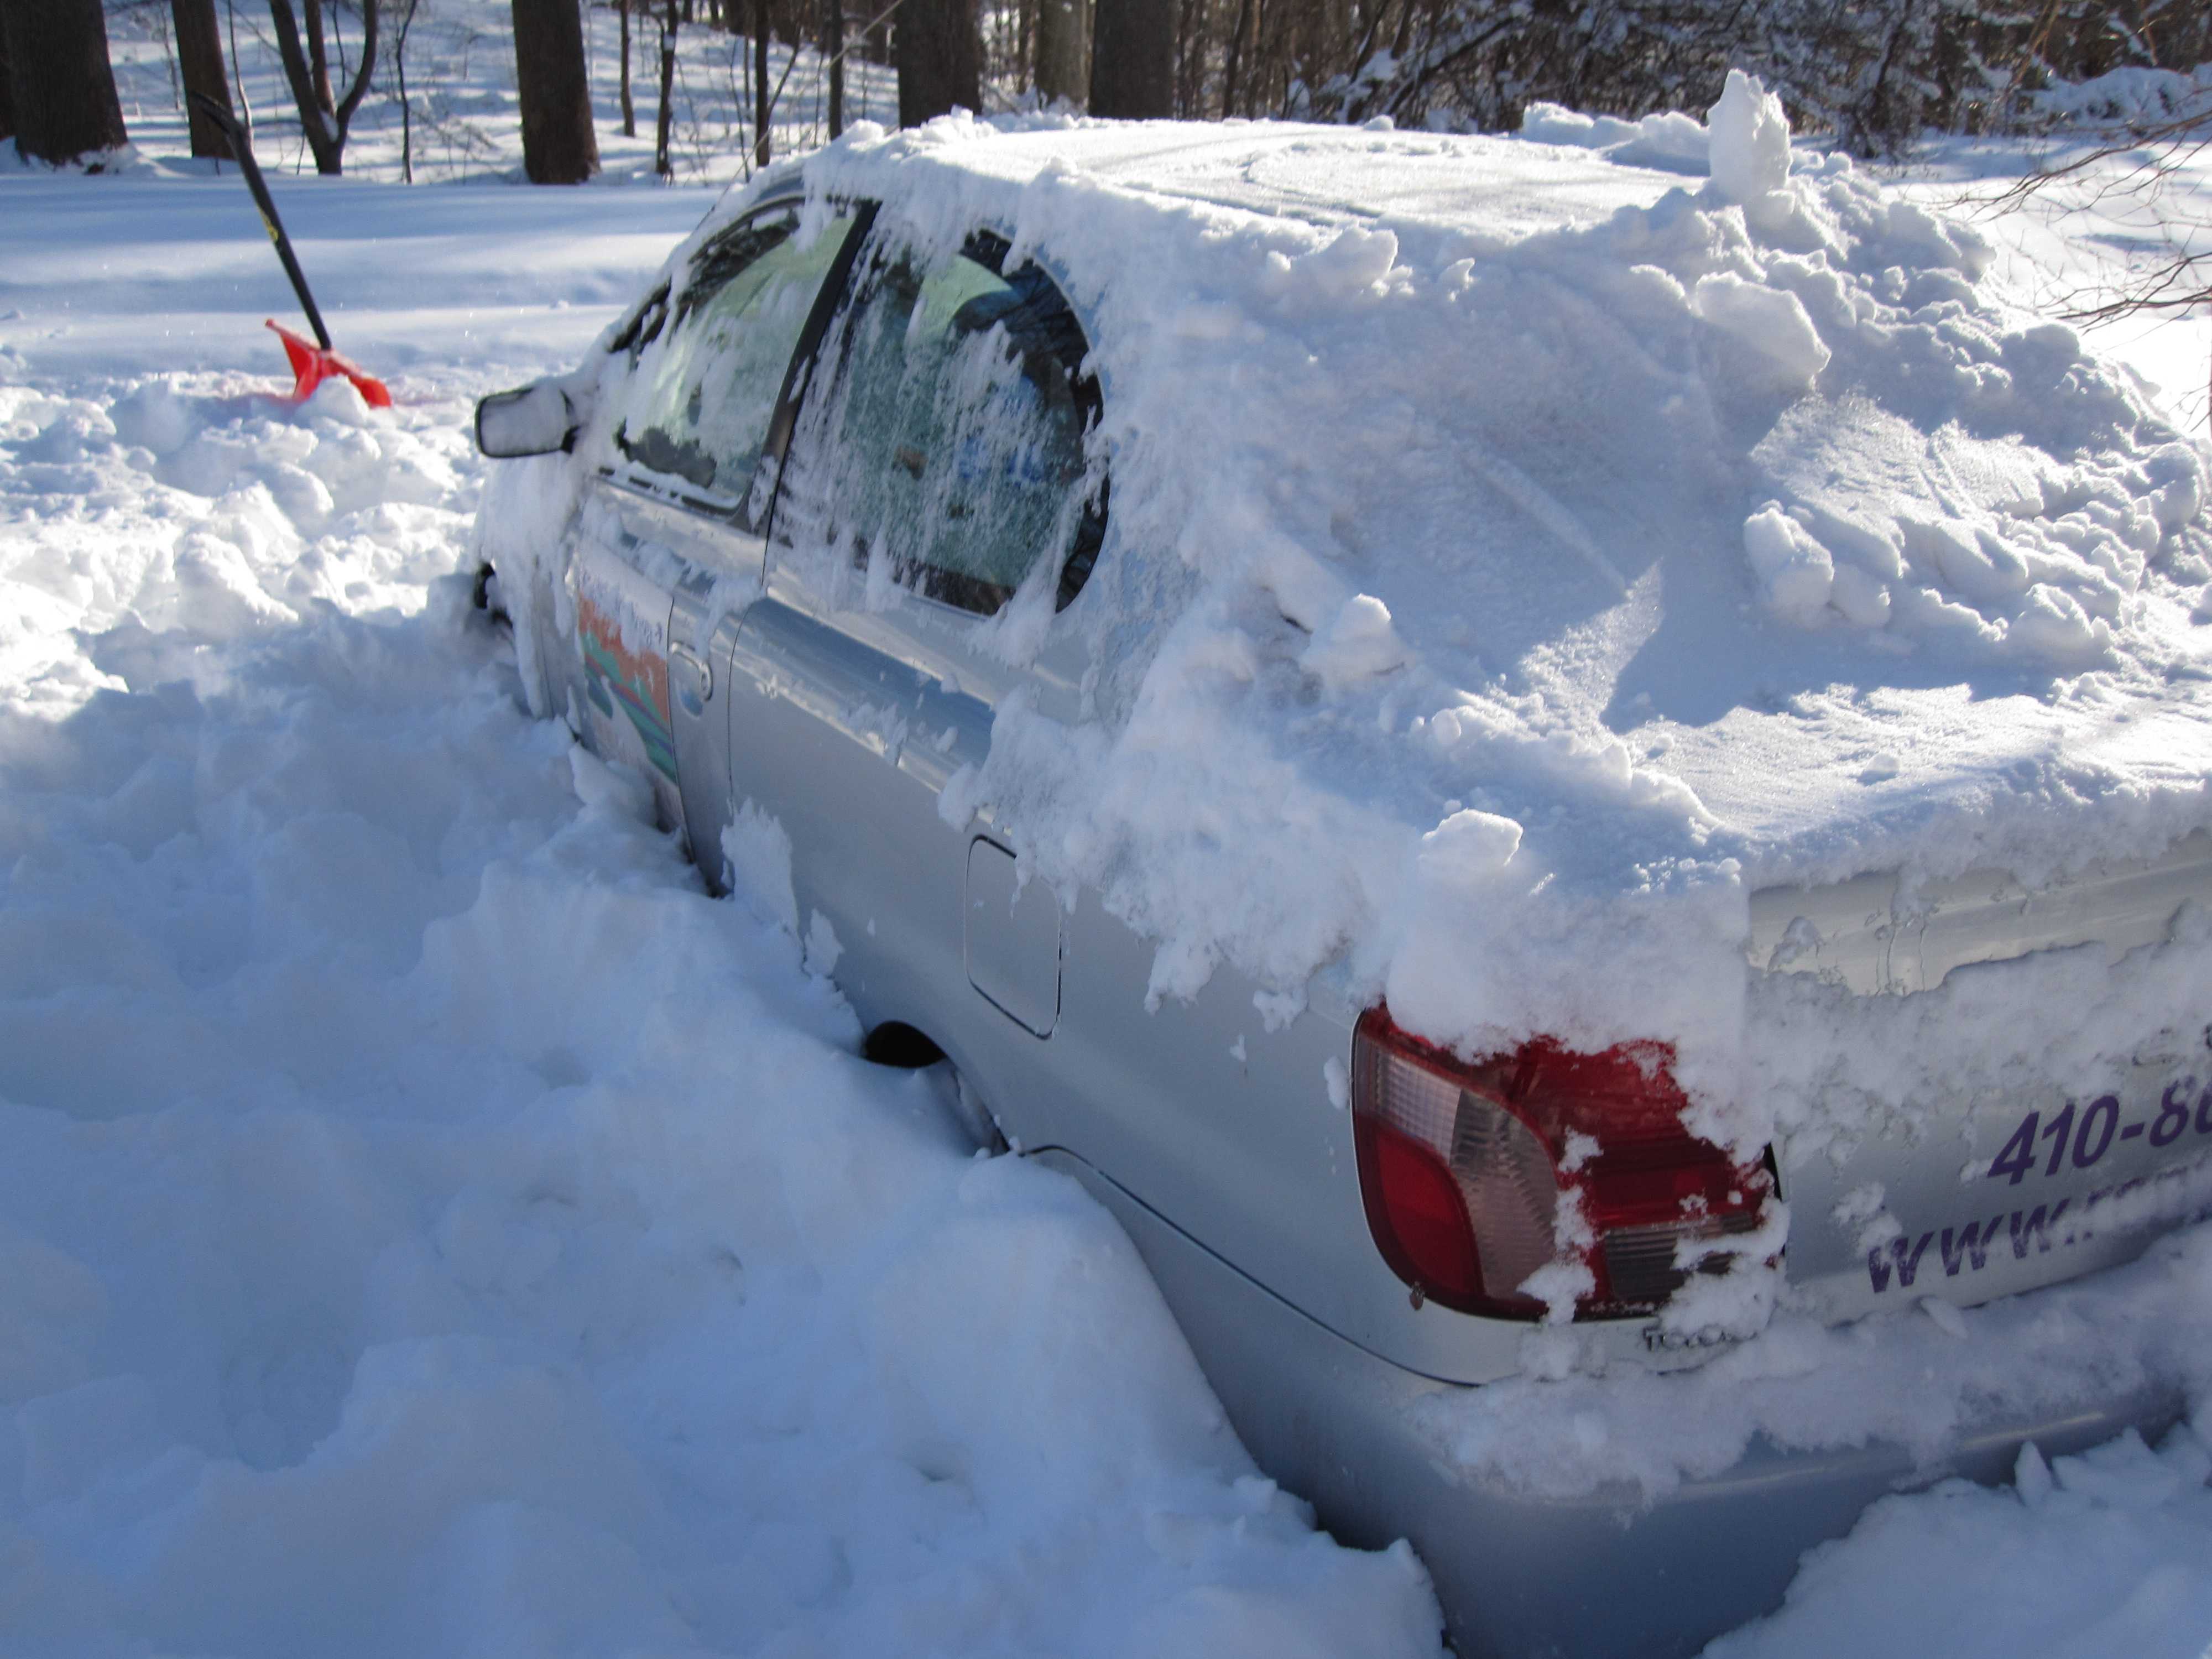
point(1693, 534)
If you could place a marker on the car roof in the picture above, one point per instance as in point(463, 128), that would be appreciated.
point(1686, 544)
point(1498, 188)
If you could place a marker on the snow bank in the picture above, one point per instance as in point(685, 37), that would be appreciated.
point(2099, 1554)
point(2131, 96)
point(1914, 1379)
point(429, 1224)
point(1694, 537)
point(187, 506)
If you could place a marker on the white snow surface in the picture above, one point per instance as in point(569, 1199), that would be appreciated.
point(2088, 1557)
point(1526, 555)
point(430, 1224)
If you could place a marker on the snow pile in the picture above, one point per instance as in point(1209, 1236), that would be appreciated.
point(2131, 96)
point(2099, 1554)
point(429, 1224)
point(1531, 556)
point(187, 506)
point(1917, 1379)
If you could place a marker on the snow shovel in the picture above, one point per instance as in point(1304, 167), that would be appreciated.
point(312, 361)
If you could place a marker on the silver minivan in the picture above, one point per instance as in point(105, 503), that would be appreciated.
point(803, 489)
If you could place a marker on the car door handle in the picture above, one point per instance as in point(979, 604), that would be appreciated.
point(679, 652)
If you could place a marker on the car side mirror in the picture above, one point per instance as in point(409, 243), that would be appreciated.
point(531, 420)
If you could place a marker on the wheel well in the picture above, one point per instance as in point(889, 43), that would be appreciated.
point(484, 594)
point(894, 1043)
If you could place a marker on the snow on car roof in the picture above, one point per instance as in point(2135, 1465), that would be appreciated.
point(1501, 188)
point(1519, 556)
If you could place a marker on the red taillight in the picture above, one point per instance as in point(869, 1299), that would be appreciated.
point(1476, 1176)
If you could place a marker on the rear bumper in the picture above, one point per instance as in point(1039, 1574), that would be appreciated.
point(1525, 1575)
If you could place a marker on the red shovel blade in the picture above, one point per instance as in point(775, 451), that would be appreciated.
point(311, 365)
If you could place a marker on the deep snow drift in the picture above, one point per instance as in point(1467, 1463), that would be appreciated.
point(430, 1225)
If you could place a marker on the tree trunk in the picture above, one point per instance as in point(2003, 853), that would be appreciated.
point(628, 108)
point(319, 56)
point(663, 163)
point(199, 54)
point(1234, 61)
point(939, 63)
point(62, 86)
point(1133, 59)
point(762, 149)
point(7, 90)
point(326, 131)
point(1060, 76)
point(833, 51)
point(406, 9)
point(558, 144)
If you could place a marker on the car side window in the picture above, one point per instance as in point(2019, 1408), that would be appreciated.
point(710, 367)
point(944, 439)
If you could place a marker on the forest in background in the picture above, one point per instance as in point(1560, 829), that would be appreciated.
point(1874, 73)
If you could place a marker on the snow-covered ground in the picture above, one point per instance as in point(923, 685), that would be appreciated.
point(2076, 243)
point(430, 1224)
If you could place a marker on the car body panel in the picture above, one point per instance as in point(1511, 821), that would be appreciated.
point(1872, 937)
point(1012, 939)
point(1607, 1575)
point(1891, 1216)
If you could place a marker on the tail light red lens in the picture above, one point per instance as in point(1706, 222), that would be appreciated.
point(1467, 1170)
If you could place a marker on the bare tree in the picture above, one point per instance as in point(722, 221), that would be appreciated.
point(939, 62)
point(1239, 31)
point(833, 52)
point(326, 131)
point(2142, 171)
point(199, 54)
point(559, 145)
point(628, 105)
point(230, 29)
point(1133, 59)
point(61, 84)
point(662, 162)
point(319, 55)
point(403, 12)
point(763, 103)
point(1059, 43)
point(7, 91)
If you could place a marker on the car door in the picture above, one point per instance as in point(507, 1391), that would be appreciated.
point(667, 552)
point(938, 506)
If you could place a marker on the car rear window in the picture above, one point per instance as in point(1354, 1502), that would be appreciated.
point(946, 437)
point(707, 379)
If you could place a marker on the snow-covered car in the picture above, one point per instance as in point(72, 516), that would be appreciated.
point(1572, 774)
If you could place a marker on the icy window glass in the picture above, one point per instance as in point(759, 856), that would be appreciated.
point(706, 384)
point(946, 447)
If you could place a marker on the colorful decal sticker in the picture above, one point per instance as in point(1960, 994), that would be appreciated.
point(621, 634)
point(636, 683)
